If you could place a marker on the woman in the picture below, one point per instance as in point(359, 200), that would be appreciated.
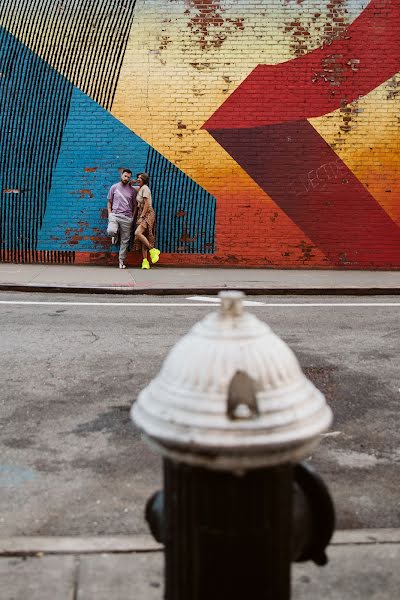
point(144, 234)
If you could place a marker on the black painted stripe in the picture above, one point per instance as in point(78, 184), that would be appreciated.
point(85, 40)
point(66, 257)
point(184, 211)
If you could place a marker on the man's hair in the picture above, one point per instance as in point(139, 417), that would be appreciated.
point(145, 178)
point(126, 171)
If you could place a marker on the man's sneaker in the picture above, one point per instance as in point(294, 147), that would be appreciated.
point(145, 264)
point(113, 240)
point(154, 255)
point(122, 265)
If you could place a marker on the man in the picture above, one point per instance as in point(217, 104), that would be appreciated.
point(121, 205)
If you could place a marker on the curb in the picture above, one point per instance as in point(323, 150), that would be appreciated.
point(125, 544)
point(210, 291)
point(30, 546)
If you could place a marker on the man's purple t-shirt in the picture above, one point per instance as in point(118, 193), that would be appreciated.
point(123, 199)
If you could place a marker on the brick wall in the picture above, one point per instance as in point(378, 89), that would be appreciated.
point(270, 128)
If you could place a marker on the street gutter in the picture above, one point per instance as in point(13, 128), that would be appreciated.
point(202, 290)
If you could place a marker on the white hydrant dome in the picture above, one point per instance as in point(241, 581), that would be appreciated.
point(231, 395)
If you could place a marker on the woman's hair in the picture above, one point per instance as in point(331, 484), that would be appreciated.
point(145, 178)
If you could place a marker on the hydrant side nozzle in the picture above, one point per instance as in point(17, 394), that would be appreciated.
point(155, 516)
point(314, 515)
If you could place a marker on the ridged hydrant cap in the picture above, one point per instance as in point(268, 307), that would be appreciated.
point(231, 395)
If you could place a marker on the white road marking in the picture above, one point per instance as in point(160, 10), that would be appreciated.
point(294, 304)
point(37, 302)
point(204, 299)
point(218, 300)
point(330, 304)
point(204, 304)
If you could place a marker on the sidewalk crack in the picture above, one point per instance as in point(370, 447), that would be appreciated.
point(40, 271)
point(76, 578)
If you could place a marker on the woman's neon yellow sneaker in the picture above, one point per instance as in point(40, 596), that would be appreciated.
point(145, 264)
point(154, 255)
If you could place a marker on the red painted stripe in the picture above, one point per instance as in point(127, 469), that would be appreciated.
point(313, 186)
point(263, 126)
point(366, 55)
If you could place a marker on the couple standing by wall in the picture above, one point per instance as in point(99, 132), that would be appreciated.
point(127, 202)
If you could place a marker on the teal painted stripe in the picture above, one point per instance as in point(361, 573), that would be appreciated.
point(95, 147)
point(34, 104)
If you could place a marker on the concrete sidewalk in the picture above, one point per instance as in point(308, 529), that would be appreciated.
point(362, 564)
point(168, 280)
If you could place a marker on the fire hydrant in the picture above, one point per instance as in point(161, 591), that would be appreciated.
point(233, 415)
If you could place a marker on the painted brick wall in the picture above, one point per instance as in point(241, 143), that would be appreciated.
point(270, 128)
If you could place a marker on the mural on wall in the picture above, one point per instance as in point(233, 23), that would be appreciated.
point(62, 150)
point(270, 128)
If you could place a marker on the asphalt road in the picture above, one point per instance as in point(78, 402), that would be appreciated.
point(72, 463)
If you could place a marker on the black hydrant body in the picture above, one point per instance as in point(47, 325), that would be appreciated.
point(227, 535)
point(233, 415)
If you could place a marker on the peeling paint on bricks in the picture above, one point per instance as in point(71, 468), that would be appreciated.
point(270, 129)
